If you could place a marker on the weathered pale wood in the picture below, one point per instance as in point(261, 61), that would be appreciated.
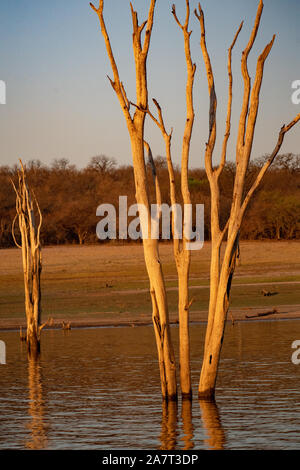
point(135, 127)
point(222, 271)
point(182, 255)
point(26, 204)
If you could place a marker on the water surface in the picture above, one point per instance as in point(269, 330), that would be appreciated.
point(99, 389)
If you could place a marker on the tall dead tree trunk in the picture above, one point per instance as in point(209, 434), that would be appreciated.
point(221, 272)
point(182, 254)
point(26, 203)
point(135, 125)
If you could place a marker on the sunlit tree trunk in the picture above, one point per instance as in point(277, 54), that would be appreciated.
point(182, 254)
point(26, 203)
point(135, 127)
point(222, 270)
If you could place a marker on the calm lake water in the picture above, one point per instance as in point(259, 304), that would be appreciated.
point(99, 389)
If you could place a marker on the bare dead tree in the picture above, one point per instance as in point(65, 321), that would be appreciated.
point(182, 254)
point(27, 206)
point(221, 271)
point(135, 125)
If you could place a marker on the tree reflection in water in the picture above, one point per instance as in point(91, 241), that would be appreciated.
point(187, 424)
point(212, 425)
point(211, 421)
point(37, 426)
point(169, 431)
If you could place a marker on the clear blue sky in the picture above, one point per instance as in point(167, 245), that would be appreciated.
point(60, 103)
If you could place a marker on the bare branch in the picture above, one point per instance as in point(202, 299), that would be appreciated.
point(13, 231)
point(150, 159)
point(125, 96)
point(187, 17)
point(190, 116)
point(247, 81)
point(40, 218)
point(134, 19)
point(292, 124)
point(14, 186)
point(149, 28)
point(97, 10)
point(155, 177)
point(136, 31)
point(224, 231)
point(116, 83)
point(160, 115)
point(111, 82)
point(212, 94)
point(175, 16)
point(229, 106)
point(269, 162)
point(160, 121)
point(142, 26)
point(167, 138)
point(254, 102)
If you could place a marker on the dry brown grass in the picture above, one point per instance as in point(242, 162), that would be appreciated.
point(110, 282)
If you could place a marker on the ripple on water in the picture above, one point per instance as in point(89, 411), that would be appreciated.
point(99, 389)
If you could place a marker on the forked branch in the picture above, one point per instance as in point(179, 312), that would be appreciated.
point(187, 17)
point(254, 102)
point(229, 105)
point(190, 114)
point(116, 83)
point(212, 95)
point(247, 80)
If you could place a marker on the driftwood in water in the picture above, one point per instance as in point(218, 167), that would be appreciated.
point(66, 326)
point(267, 293)
point(263, 314)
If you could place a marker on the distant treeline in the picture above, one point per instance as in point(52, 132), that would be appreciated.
point(68, 197)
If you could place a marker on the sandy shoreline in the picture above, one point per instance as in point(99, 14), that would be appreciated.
point(284, 312)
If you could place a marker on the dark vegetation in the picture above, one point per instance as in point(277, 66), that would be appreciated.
point(69, 197)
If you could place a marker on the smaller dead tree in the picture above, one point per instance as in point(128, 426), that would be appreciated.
point(26, 206)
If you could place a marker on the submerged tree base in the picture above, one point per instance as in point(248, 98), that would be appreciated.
point(33, 348)
point(187, 396)
point(169, 398)
point(207, 395)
